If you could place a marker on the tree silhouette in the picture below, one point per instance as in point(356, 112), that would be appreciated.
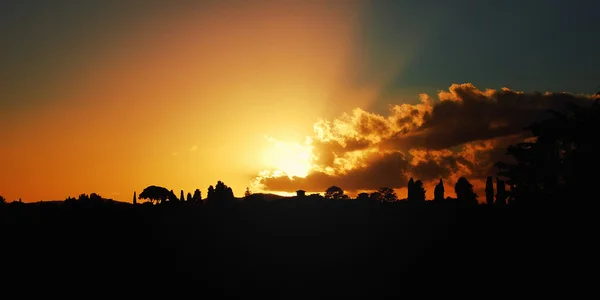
point(501, 193)
point(211, 193)
point(134, 198)
point(523, 176)
point(411, 188)
point(335, 193)
point(464, 191)
point(376, 197)
point(189, 197)
point(220, 194)
point(172, 197)
point(363, 197)
point(2, 200)
point(489, 190)
point(197, 198)
point(181, 198)
point(438, 192)
point(387, 194)
point(222, 191)
point(418, 192)
point(556, 165)
point(248, 193)
point(155, 193)
point(95, 197)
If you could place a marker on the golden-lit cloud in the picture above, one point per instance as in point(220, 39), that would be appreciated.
point(462, 134)
point(373, 171)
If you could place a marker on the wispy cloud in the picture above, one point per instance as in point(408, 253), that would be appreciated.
point(193, 148)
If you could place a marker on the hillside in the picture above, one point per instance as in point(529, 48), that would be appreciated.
point(345, 247)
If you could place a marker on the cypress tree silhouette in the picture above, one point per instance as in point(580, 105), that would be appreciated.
point(438, 192)
point(181, 198)
point(134, 198)
point(189, 197)
point(211, 193)
point(489, 190)
point(501, 193)
point(418, 191)
point(172, 197)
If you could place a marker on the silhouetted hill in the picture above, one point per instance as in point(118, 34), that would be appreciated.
point(42, 202)
point(271, 197)
point(295, 245)
point(265, 197)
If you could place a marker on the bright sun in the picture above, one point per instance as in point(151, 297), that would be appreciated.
point(294, 159)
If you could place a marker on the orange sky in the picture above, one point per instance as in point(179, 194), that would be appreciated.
point(180, 99)
point(245, 92)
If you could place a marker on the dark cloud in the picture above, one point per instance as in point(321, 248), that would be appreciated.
point(466, 114)
point(435, 167)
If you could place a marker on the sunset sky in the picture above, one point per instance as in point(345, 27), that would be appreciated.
point(113, 96)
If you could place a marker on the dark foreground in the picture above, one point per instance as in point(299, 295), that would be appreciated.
point(291, 250)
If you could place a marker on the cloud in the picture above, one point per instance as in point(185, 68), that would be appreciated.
point(465, 114)
point(388, 169)
point(463, 133)
point(193, 148)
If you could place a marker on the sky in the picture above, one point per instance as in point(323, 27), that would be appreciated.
point(113, 96)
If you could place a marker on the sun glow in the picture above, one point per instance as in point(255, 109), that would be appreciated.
point(291, 158)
